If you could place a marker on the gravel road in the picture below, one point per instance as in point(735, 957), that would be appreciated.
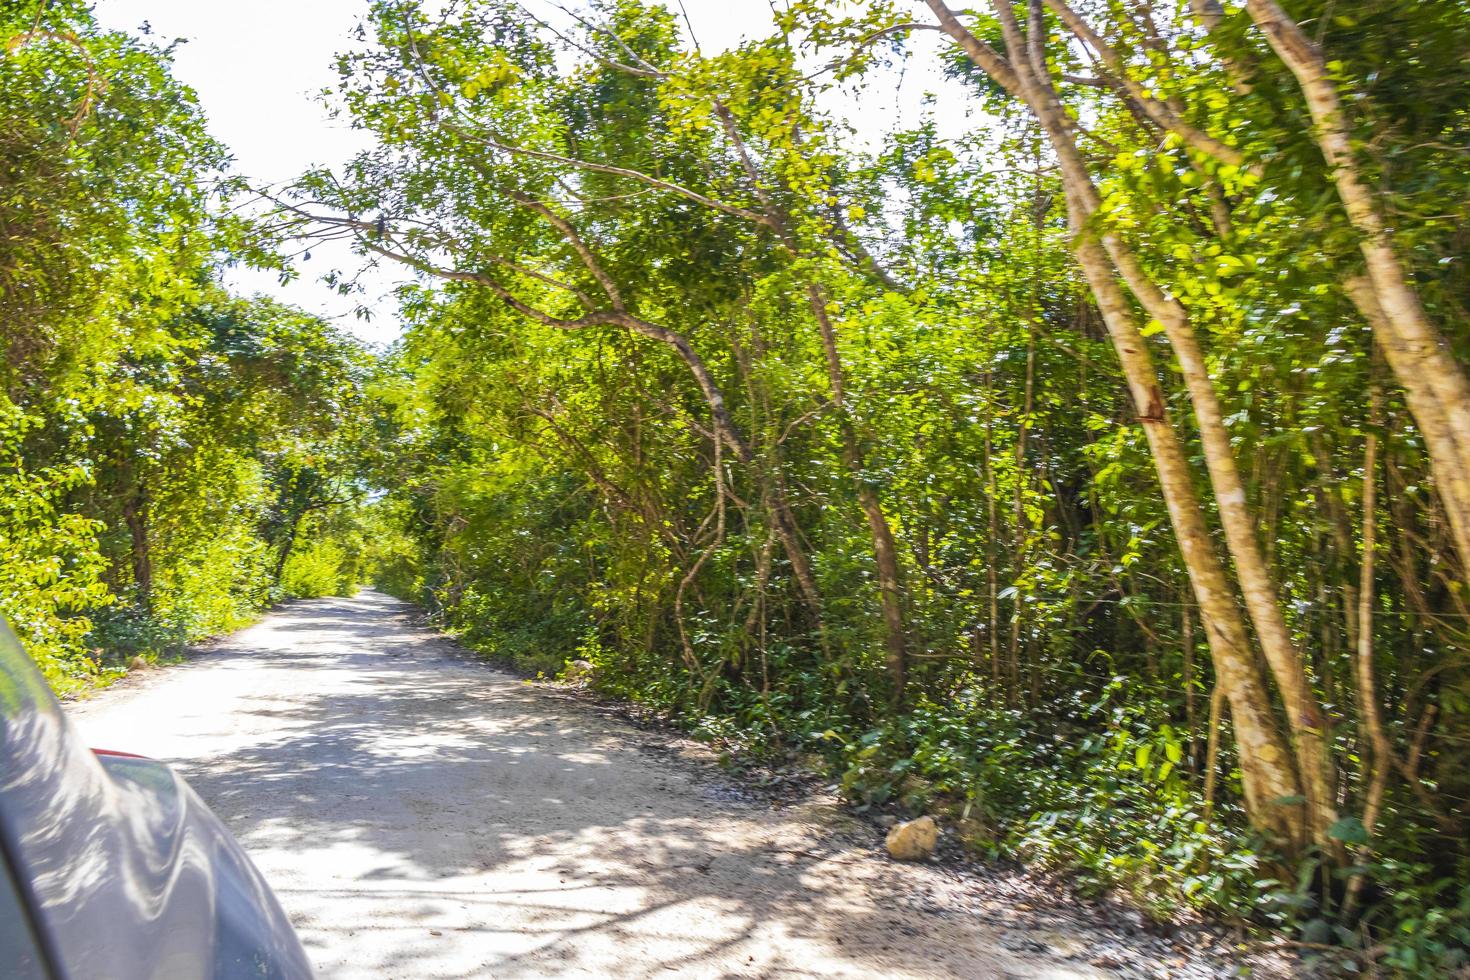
point(421, 815)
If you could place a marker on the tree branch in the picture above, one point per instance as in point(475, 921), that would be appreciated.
point(570, 234)
point(607, 168)
point(1154, 109)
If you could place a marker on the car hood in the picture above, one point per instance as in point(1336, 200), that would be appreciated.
point(133, 876)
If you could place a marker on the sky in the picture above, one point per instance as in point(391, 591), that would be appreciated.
point(259, 69)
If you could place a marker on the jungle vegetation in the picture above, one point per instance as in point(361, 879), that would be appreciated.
point(172, 457)
point(1098, 479)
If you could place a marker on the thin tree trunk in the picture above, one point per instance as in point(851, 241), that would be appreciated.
point(1018, 512)
point(1376, 771)
point(778, 502)
point(1212, 749)
point(287, 546)
point(1451, 480)
point(1415, 349)
point(992, 511)
point(1187, 675)
point(1341, 535)
point(1268, 769)
point(135, 515)
point(786, 528)
point(885, 549)
point(691, 658)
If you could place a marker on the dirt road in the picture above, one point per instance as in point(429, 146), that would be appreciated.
point(421, 816)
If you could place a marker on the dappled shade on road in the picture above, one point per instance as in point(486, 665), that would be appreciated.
point(422, 815)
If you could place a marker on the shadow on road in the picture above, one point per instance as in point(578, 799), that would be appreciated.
point(420, 808)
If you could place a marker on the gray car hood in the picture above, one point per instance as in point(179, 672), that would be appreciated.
point(133, 876)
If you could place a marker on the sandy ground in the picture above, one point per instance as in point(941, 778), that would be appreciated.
point(421, 815)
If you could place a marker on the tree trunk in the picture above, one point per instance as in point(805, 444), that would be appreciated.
point(1416, 351)
point(1186, 676)
point(1304, 714)
point(992, 510)
point(1380, 760)
point(287, 546)
point(774, 495)
point(1268, 769)
point(1018, 510)
point(782, 515)
point(135, 514)
point(1451, 480)
point(885, 549)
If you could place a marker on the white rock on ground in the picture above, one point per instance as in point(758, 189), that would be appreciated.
point(913, 840)
point(579, 672)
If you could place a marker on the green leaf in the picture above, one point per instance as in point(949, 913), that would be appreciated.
point(1349, 830)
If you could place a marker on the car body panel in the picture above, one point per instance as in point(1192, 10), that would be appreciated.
point(129, 874)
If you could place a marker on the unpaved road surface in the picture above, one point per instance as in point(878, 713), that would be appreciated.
point(421, 815)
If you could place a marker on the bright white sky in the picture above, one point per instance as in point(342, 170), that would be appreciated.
point(259, 67)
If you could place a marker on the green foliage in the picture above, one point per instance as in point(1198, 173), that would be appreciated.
point(683, 348)
point(161, 443)
point(323, 569)
point(50, 570)
point(1102, 791)
point(390, 557)
point(1426, 917)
